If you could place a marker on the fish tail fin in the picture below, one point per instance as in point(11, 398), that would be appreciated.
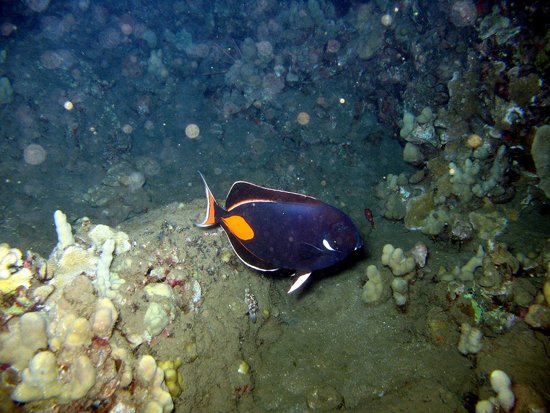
point(212, 208)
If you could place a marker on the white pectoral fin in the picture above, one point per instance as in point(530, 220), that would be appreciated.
point(302, 277)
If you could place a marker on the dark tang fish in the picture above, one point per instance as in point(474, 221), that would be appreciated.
point(271, 230)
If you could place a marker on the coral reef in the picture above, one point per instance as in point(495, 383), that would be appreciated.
point(12, 272)
point(400, 289)
point(151, 378)
point(505, 398)
point(375, 289)
point(78, 348)
point(470, 339)
point(64, 231)
point(172, 377)
point(77, 344)
point(397, 261)
point(41, 380)
point(26, 335)
point(107, 282)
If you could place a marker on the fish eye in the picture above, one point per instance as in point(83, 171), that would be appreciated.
point(329, 245)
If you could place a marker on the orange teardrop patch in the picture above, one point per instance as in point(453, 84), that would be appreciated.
point(239, 227)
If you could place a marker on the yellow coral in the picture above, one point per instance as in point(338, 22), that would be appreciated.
point(21, 278)
point(172, 378)
point(12, 278)
point(151, 376)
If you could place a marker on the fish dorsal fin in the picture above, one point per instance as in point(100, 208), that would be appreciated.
point(242, 191)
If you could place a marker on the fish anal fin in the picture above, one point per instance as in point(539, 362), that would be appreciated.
point(300, 280)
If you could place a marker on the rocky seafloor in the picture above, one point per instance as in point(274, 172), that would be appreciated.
point(153, 316)
point(433, 115)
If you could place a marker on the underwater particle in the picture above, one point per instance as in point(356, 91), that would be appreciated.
point(341, 101)
point(68, 105)
point(192, 131)
point(126, 29)
point(386, 20)
point(34, 154)
point(474, 141)
point(303, 118)
point(127, 129)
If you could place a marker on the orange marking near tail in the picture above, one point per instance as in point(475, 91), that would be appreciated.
point(239, 227)
point(210, 219)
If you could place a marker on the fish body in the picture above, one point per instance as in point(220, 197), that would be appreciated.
point(271, 230)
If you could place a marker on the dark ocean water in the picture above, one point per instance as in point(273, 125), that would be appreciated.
point(423, 112)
